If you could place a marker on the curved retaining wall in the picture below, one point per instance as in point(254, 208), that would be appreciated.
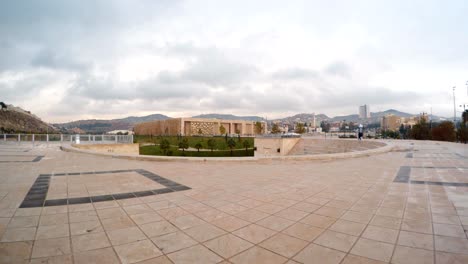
point(387, 148)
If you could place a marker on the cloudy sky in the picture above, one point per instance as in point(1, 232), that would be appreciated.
point(68, 60)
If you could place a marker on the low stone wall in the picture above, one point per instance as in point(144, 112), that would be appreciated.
point(110, 148)
point(268, 147)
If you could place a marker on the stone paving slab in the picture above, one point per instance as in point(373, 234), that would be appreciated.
point(370, 209)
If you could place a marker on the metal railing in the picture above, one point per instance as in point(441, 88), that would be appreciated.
point(63, 138)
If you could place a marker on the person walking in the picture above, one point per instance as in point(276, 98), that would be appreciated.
point(360, 132)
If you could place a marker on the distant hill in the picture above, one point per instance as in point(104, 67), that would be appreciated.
point(304, 117)
point(16, 120)
point(230, 117)
point(100, 126)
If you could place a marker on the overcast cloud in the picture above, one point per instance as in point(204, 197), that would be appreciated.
point(68, 60)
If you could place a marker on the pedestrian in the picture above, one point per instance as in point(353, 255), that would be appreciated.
point(360, 132)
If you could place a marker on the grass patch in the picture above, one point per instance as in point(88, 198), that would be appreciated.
point(221, 142)
point(173, 151)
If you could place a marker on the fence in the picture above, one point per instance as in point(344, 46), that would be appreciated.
point(63, 138)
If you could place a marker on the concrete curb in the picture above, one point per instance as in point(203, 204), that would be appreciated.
point(365, 153)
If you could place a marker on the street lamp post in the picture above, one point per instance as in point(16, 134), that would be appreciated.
point(454, 108)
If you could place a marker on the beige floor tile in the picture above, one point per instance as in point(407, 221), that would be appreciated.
point(172, 213)
point(23, 221)
point(51, 247)
point(53, 231)
point(270, 208)
point(82, 228)
point(446, 219)
point(450, 258)
point(318, 220)
point(137, 251)
point(292, 214)
point(137, 209)
point(275, 223)
point(284, 245)
point(211, 215)
point(449, 230)
point(186, 221)
point(303, 231)
point(158, 205)
point(98, 256)
point(111, 213)
point(330, 211)
point(358, 217)
point(335, 240)
point(340, 204)
point(417, 240)
point(106, 204)
point(157, 260)
point(55, 219)
point(80, 208)
point(373, 249)
point(89, 242)
point(451, 244)
point(348, 227)
point(251, 215)
point(125, 235)
point(352, 259)
point(230, 223)
point(257, 255)
point(408, 255)
point(158, 228)
point(66, 259)
point(391, 212)
point(204, 232)
point(145, 218)
point(195, 254)
point(83, 216)
point(385, 221)
point(49, 210)
point(15, 252)
point(19, 234)
point(117, 223)
point(254, 233)
point(306, 207)
point(381, 234)
point(174, 241)
point(228, 245)
point(28, 211)
point(416, 226)
point(318, 254)
point(129, 201)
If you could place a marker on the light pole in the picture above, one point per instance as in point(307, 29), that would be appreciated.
point(454, 108)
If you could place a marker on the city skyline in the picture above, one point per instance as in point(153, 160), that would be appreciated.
point(67, 61)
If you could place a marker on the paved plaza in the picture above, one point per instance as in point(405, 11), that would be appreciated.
point(406, 206)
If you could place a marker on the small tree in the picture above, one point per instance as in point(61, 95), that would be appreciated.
point(231, 144)
point(246, 144)
point(211, 144)
point(164, 145)
point(445, 131)
point(198, 146)
point(300, 129)
point(258, 127)
point(184, 144)
point(222, 130)
point(237, 131)
point(200, 131)
point(421, 130)
point(275, 129)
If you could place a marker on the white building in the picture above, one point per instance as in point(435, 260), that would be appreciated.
point(364, 111)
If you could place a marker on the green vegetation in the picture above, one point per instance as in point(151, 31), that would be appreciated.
point(300, 128)
point(178, 145)
point(258, 127)
point(275, 129)
point(174, 151)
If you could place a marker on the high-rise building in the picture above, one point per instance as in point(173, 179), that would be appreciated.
point(364, 111)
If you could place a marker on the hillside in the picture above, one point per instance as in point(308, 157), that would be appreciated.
point(16, 120)
point(100, 126)
point(230, 117)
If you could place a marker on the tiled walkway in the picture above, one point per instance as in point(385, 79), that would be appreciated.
point(398, 207)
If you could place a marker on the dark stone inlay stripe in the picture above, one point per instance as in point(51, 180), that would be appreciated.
point(459, 184)
point(409, 155)
point(56, 202)
point(38, 192)
point(37, 159)
point(403, 174)
point(102, 198)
